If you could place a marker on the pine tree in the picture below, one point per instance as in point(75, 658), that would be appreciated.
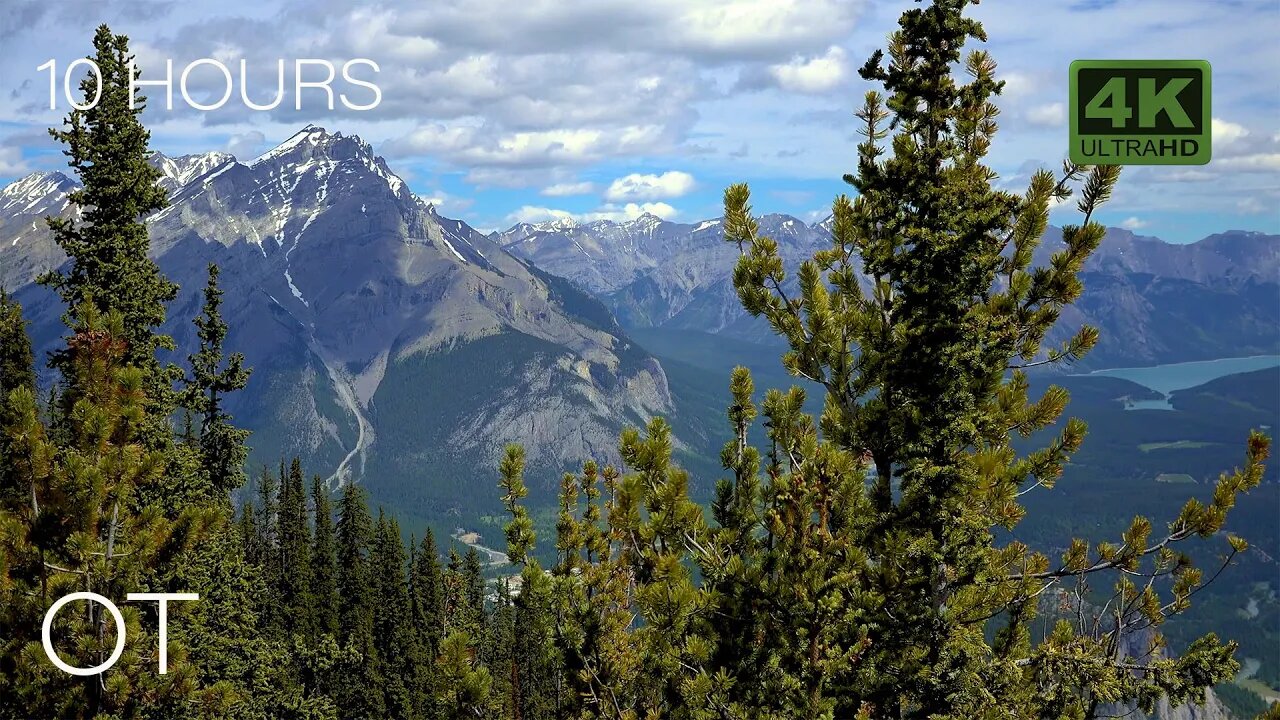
point(16, 371)
point(108, 245)
point(73, 526)
point(464, 687)
point(534, 683)
point(324, 562)
point(294, 588)
point(924, 377)
point(822, 593)
point(222, 444)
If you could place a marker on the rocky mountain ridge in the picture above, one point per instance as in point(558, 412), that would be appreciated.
point(1154, 301)
point(337, 278)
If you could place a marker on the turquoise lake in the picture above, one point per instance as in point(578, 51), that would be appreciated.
point(1165, 379)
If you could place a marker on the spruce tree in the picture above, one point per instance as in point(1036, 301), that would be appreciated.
point(359, 693)
point(17, 368)
point(222, 444)
point(427, 587)
point(324, 562)
point(267, 545)
point(108, 244)
point(473, 594)
point(393, 633)
point(498, 653)
point(294, 588)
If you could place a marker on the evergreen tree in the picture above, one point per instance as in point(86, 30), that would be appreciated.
point(498, 652)
point(534, 683)
point(108, 244)
point(267, 545)
point(17, 368)
point(222, 444)
point(250, 536)
point(393, 633)
point(821, 594)
point(473, 595)
point(324, 563)
point(16, 371)
point(426, 596)
point(359, 693)
point(73, 526)
point(464, 686)
point(427, 588)
point(293, 591)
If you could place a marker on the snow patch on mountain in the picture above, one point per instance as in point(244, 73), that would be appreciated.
point(178, 172)
point(38, 193)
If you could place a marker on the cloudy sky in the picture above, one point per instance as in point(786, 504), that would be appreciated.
point(505, 111)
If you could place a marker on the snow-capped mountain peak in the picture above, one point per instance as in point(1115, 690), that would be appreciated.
point(645, 222)
point(36, 194)
point(177, 172)
point(558, 225)
point(309, 135)
point(315, 150)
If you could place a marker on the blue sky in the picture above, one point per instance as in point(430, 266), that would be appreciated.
point(607, 108)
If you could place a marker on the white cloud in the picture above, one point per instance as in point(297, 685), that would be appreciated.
point(535, 214)
point(1258, 162)
point(1227, 133)
point(1016, 84)
point(608, 211)
point(1048, 115)
point(12, 163)
point(566, 189)
point(246, 146)
point(479, 146)
point(1133, 223)
point(631, 211)
point(813, 75)
point(636, 186)
point(1253, 205)
point(757, 27)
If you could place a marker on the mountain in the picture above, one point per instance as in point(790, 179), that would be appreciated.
point(389, 344)
point(656, 273)
point(1154, 301)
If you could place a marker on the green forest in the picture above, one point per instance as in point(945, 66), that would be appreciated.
point(856, 560)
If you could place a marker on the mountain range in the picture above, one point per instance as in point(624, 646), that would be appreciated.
point(1154, 301)
point(402, 348)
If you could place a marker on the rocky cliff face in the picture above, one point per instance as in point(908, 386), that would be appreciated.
point(338, 278)
point(1135, 645)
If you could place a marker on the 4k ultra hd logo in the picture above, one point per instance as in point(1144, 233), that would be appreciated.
point(1140, 112)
